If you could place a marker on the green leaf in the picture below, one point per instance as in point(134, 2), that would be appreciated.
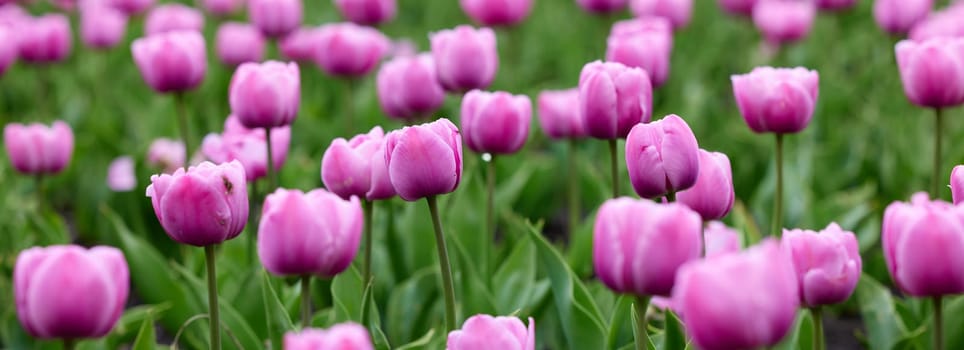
point(673, 335)
point(145, 337)
point(419, 343)
point(884, 326)
point(278, 321)
point(347, 293)
point(953, 322)
point(414, 306)
point(622, 311)
point(800, 335)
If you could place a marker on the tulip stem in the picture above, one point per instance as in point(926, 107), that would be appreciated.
point(671, 196)
point(642, 337)
point(938, 324)
point(69, 344)
point(489, 214)
point(778, 193)
point(369, 209)
point(936, 174)
point(213, 298)
point(253, 221)
point(573, 188)
point(272, 172)
point(614, 160)
point(180, 104)
point(305, 301)
point(443, 262)
point(817, 318)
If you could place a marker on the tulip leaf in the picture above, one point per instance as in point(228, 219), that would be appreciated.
point(514, 280)
point(953, 322)
point(277, 321)
point(800, 335)
point(414, 306)
point(673, 334)
point(617, 323)
point(347, 293)
point(419, 343)
point(146, 339)
point(470, 288)
point(884, 326)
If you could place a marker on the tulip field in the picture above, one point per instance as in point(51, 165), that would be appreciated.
point(482, 174)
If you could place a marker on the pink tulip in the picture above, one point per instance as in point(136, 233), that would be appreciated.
point(101, 26)
point(495, 122)
point(223, 7)
point(835, 5)
point(37, 149)
point(487, 332)
point(173, 17)
point(275, 18)
point(712, 196)
point(205, 205)
point(238, 43)
point(778, 100)
point(718, 239)
point(424, 160)
point(131, 7)
point(559, 114)
point(367, 12)
point(70, 292)
point(408, 88)
point(645, 43)
point(248, 147)
point(313, 233)
point(613, 98)
point(638, 245)
point(166, 154)
point(827, 263)
point(738, 7)
point(784, 21)
point(12, 15)
point(465, 58)
point(120, 174)
point(300, 45)
point(932, 71)
point(678, 12)
point(404, 47)
point(602, 6)
point(9, 49)
point(945, 23)
point(348, 167)
point(64, 5)
point(265, 95)
point(497, 12)
point(172, 61)
point(744, 300)
point(924, 246)
point(345, 336)
point(662, 157)
point(349, 50)
point(899, 16)
point(45, 39)
point(957, 184)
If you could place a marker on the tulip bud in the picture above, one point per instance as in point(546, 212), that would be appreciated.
point(678, 12)
point(827, 263)
point(465, 58)
point(718, 239)
point(835, 5)
point(924, 246)
point(613, 98)
point(367, 12)
point(173, 17)
point(300, 45)
point(131, 7)
point(738, 7)
point(349, 50)
point(495, 122)
point(346, 167)
point(239, 43)
point(662, 157)
point(37, 149)
point(487, 332)
point(166, 154)
point(265, 95)
point(638, 245)
point(778, 100)
point(222, 7)
point(45, 39)
point(497, 12)
point(424, 160)
point(712, 195)
point(784, 21)
point(205, 205)
point(408, 87)
point(275, 18)
point(120, 174)
point(643, 43)
point(559, 114)
point(70, 292)
point(345, 336)
point(172, 61)
point(602, 6)
point(957, 184)
point(898, 16)
point(101, 26)
point(932, 72)
point(248, 147)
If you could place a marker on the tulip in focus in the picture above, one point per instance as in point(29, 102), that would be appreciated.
point(678, 12)
point(265, 95)
point(827, 263)
point(712, 196)
point(932, 71)
point(408, 88)
point(45, 39)
point(367, 12)
point(424, 160)
point(223, 7)
point(662, 157)
point(899, 16)
point(602, 6)
point(37, 149)
point(465, 58)
point(784, 21)
point(613, 98)
point(172, 61)
point(275, 18)
point(120, 174)
point(345, 336)
point(957, 184)
point(248, 147)
point(718, 239)
point(559, 114)
point(349, 50)
point(645, 43)
point(778, 100)
point(172, 18)
point(924, 246)
point(238, 43)
point(355, 167)
point(166, 154)
point(495, 122)
point(497, 12)
point(101, 26)
point(487, 332)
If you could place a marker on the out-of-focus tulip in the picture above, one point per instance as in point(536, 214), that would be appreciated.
point(744, 300)
point(947, 23)
point(69, 292)
point(424, 160)
point(349, 50)
point(835, 5)
point(559, 114)
point(613, 98)
point(222, 7)
point(300, 45)
point(408, 88)
point(9, 50)
point(712, 196)
point(602, 6)
point(367, 12)
point(404, 47)
point(645, 43)
point(131, 7)
point(38, 149)
point(64, 5)
point(101, 26)
point(347, 166)
point(487, 332)
point(738, 7)
point(173, 17)
point(932, 72)
point(465, 58)
point(248, 147)
point(638, 245)
point(45, 39)
point(205, 205)
point(120, 174)
point(678, 12)
point(828, 263)
point(172, 61)
point(313, 233)
point(166, 154)
point(924, 246)
point(778, 100)
point(265, 95)
point(957, 184)
point(239, 43)
point(345, 336)
point(899, 16)
point(784, 21)
point(497, 12)
point(718, 239)
point(662, 157)
point(13, 15)
point(495, 122)
point(275, 18)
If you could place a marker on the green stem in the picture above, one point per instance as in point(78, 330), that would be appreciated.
point(183, 125)
point(490, 225)
point(614, 162)
point(443, 261)
point(778, 193)
point(70, 344)
point(936, 174)
point(272, 172)
point(671, 196)
point(938, 324)
point(253, 222)
point(642, 337)
point(213, 298)
point(818, 341)
point(573, 188)
point(305, 301)
point(369, 208)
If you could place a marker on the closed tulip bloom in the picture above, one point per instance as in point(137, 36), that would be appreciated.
point(602, 6)
point(487, 332)
point(957, 184)
point(70, 292)
point(314, 233)
point(300, 45)
point(222, 7)
point(778, 100)
point(678, 12)
point(408, 87)
point(719, 239)
point(101, 26)
point(827, 263)
point(205, 205)
point(899, 16)
point(744, 300)
point(172, 61)
point(645, 43)
point(495, 122)
point(120, 174)
point(248, 147)
point(131, 7)
point(835, 5)
point(559, 114)
point(45, 39)
point(638, 245)
point(345, 336)
point(924, 246)
point(465, 58)
point(367, 12)
point(944, 23)
point(275, 18)
point(613, 98)
point(932, 72)
point(173, 17)
point(497, 12)
point(712, 195)
point(38, 149)
point(424, 160)
point(265, 95)
point(738, 7)
point(349, 50)
point(784, 21)
point(166, 154)
point(346, 166)
point(381, 185)
point(662, 157)
point(238, 43)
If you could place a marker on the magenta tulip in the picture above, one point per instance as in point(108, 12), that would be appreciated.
point(835, 5)
point(265, 95)
point(613, 98)
point(37, 149)
point(957, 184)
point(300, 45)
point(349, 50)
point(45, 39)
point(678, 12)
point(718, 239)
point(345, 336)
point(487, 332)
point(899, 16)
point(827, 263)
point(944, 23)
point(120, 174)
point(275, 18)
point(465, 58)
point(602, 6)
point(932, 71)
point(238, 43)
point(738, 7)
point(645, 43)
point(784, 21)
point(408, 88)
point(13, 15)
point(166, 154)
point(347, 167)
point(662, 157)
point(223, 7)
point(367, 12)
point(248, 147)
point(778, 100)
point(559, 114)
point(924, 246)
point(497, 12)
point(101, 26)
point(9, 49)
point(424, 160)
point(495, 122)
point(131, 7)
point(70, 292)
point(712, 196)
point(172, 61)
point(172, 18)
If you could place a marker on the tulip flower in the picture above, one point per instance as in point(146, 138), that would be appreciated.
point(349, 50)
point(45, 39)
point(222, 7)
point(345, 336)
point(367, 12)
point(678, 12)
point(101, 26)
point(487, 332)
point(718, 239)
point(720, 312)
point(899, 16)
point(497, 12)
point(37, 149)
point(9, 49)
point(712, 195)
point(944, 23)
point(275, 18)
point(643, 43)
point(166, 154)
point(662, 157)
point(957, 184)
point(560, 119)
point(70, 292)
point(783, 21)
point(300, 45)
point(248, 147)
point(836, 5)
point(738, 7)
point(131, 7)
point(120, 174)
point(408, 88)
point(602, 6)
point(172, 18)
point(238, 43)
point(465, 58)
